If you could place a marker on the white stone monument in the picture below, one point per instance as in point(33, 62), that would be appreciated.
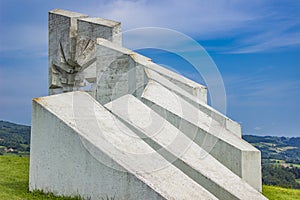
point(140, 131)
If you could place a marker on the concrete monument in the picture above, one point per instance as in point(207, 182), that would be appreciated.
point(118, 125)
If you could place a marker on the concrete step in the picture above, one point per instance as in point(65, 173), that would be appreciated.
point(224, 121)
point(180, 150)
point(88, 152)
point(236, 154)
point(135, 72)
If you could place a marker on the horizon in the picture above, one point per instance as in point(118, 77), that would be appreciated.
point(1, 120)
point(255, 45)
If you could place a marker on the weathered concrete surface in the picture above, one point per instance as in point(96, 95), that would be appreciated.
point(180, 150)
point(80, 151)
point(72, 38)
point(224, 121)
point(93, 28)
point(132, 71)
point(122, 71)
point(230, 150)
point(62, 39)
point(156, 139)
point(113, 50)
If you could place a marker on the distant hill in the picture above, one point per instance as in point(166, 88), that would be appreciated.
point(17, 137)
point(280, 159)
point(14, 137)
point(277, 148)
point(284, 141)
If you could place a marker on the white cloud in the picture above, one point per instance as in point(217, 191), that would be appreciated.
point(257, 128)
point(255, 25)
point(201, 18)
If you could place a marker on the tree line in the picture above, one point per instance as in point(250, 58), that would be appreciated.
point(281, 176)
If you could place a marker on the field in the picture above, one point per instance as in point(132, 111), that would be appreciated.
point(14, 183)
point(277, 193)
point(296, 165)
point(14, 180)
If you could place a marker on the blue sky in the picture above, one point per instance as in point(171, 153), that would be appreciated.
point(255, 44)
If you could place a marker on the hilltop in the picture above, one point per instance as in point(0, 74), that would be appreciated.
point(280, 159)
point(276, 149)
point(14, 138)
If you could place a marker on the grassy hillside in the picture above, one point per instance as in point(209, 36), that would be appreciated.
point(280, 159)
point(14, 138)
point(278, 193)
point(14, 180)
point(14, 183)
point(282, 149)
point(281, 163)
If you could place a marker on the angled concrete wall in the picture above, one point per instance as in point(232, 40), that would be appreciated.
point(141, 70)
point(83, 152)
point(181, 150)
point(206, 132)
point(139, 131)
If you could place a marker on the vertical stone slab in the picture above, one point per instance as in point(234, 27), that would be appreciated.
point(115, 72)
point(93, 28)
point(89, 29)
point(251, 168)
point(62, 44)
point(72, 38)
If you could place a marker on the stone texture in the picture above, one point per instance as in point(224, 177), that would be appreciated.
point(143, 69)
point(83, 152)
point(135, 130)
point(181, 151)
point(72, 38)
point(206, 132)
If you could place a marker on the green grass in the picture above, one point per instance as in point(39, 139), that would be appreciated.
point(296, 165)
point(279, 161)
point(14, 183)
point(14, 180)
point(278, 193)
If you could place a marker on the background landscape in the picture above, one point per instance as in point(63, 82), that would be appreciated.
point(255, 45)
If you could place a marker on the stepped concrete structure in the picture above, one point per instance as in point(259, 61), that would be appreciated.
point(116, 125)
